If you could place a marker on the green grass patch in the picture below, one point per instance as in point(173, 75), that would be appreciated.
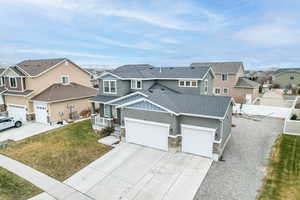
point(60, 152)
point(283, 173)
point(13, 187)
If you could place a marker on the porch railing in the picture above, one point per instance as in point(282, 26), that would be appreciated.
point(101, 122)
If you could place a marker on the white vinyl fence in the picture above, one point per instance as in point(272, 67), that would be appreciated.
point(268, 111)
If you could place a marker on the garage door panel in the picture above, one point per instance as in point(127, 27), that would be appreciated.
point(146, 133)
point(18, 112)
point(197, 141)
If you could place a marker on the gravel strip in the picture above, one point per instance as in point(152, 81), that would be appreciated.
point(246, 156)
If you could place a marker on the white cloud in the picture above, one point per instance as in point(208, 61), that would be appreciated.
point(170, 18)
point(61, 53)
point(270, 35)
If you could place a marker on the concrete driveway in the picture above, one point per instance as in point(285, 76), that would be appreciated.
point(246, 156)
point(27, 130)
point(135, 172)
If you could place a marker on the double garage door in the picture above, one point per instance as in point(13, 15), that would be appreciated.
point(195, 140)
point(151, 134)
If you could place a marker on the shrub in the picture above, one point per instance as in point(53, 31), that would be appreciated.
point(294, 117)
point(85, 113)
point(107, 131)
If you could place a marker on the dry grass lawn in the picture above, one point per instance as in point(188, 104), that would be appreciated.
point(60, 152)
point(283, 174)
point(13, 187)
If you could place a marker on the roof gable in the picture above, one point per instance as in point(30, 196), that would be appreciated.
point(222, 67)
point(145, 105)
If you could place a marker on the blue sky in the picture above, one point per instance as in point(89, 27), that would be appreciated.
point(261, 33)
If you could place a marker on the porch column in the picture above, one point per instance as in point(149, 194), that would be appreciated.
point(101, 108)
point(93, 108)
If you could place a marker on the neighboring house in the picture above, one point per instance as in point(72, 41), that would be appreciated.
point(46, 91)
point(2, 90)
point(230, 81)
point(287, 76)
point(165, 108)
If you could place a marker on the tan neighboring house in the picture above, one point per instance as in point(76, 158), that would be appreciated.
point(230, 81)
point(46, 91)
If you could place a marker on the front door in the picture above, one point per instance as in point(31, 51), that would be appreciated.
point(41, 113)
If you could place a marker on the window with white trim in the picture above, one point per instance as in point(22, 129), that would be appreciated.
point(65, 80)
point(224, 77)
point(205, 86)
point(217, 91)
point(225, 90)
point(136, 84)
point(12, 82)
point(109, 86)
point(187, 83)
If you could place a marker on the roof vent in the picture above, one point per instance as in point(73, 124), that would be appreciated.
point(151, 91)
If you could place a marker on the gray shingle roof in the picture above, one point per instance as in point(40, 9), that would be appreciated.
point(215, 106)
point(35, 67)
point(221, 67)
point(246, 83)
point(148, 71)
point(103, 99)
point(24, 93)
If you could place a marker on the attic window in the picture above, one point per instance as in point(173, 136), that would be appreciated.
point(136, 84)
point(66, 63)
point(187, 84)
point(65, 80)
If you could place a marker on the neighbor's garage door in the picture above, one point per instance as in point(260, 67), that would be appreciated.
point(41, 114)
point(18, 112)
point(197, 140)
point(151, 134)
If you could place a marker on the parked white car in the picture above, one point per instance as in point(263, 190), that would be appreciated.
point(8, 122)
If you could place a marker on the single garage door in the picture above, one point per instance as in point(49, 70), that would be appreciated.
point(197, 140)
point(41, 114)
point(18, 112)
point(151, 134)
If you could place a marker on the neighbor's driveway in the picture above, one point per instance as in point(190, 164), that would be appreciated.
point(246, 156)
point(135, 172)
point(27, 130)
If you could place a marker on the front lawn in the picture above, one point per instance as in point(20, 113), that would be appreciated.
point(13, 187)
point(283, 174)
point(60, 152)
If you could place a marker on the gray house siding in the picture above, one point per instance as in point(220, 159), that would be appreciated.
point(203, 122)
point(209, 77)
point(123, 87)
point(160, 117)
point(173, 84)
point(146, 84)
point(227, 125)
point(18, 82)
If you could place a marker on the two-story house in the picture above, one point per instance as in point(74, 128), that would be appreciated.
point(164, 108)
point(48, 90)
point(230, 81)
point(286, 77)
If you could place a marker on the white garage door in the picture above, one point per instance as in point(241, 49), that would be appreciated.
point(197, 140)
point(151, 134)
point(40, 110)
point(18, 112)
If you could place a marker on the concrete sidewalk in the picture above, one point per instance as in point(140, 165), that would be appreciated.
point(54, 188)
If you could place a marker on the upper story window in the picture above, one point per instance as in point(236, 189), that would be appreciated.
point(109, 86)
point(136, 84)
point(224, 77)
point(217, 91)
point(188, 83)
point(12, 82)
point(65, 80)
point(225, 90)
point(205, 86)
point(292, 78)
